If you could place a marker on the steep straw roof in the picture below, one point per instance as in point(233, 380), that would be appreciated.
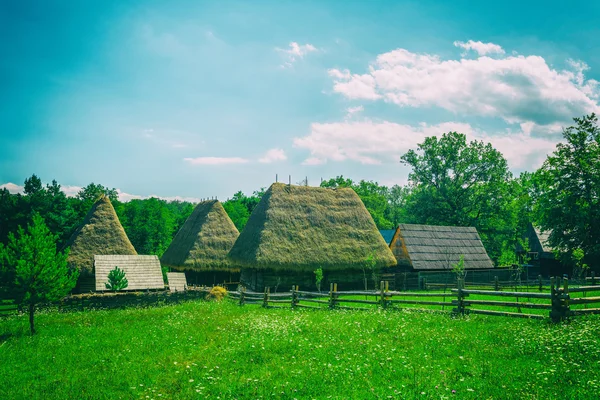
point(303, 228)
point(426, 247)
point(100, 233)
point(203, 241)
point(141, 272)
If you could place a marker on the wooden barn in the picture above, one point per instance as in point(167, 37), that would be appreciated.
point(541, 254)
point(100, 233)
point(200, 247)
point(294, 230)
point(141, 272)
point(431, 248)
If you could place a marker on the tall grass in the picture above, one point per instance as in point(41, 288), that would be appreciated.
point(220, 350)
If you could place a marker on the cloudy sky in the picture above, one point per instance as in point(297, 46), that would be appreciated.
point(195, 99)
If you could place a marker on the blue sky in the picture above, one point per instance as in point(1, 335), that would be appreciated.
point(197, 99)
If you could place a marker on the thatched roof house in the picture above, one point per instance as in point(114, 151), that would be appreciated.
point(200, 247)
point(141, 272)
point(297, 229)
point(428, 247)
point(100, 233)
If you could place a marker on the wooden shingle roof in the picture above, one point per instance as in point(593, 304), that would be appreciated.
point(142, 272)
point(428, 247)
point(177, 281)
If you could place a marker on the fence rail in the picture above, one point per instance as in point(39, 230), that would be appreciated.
point(555, 300)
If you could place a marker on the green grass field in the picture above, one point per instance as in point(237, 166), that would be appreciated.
point(222, 351)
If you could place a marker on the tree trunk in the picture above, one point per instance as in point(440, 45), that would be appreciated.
point(31, 311)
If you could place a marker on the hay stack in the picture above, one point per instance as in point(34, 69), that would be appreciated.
point(203, 241)
point(100, 233)
point(299, 229)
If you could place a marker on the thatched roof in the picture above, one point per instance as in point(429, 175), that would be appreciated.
point(141, 272)
point(428, 247)
point(303, 228)
point(177, 281)
point(100, 233)
point(203, 241)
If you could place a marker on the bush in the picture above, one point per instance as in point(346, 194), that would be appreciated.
point(217, 293)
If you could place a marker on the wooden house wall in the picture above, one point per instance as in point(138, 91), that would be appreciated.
point(400, 251)
point(210, 278)
point(351, 279)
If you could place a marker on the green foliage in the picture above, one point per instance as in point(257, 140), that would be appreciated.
point(116, 280)
point(580, 268)
point(457, 183)
point(568, 191)
point(240, 206)
point(459, 267)
point(318, 278)
point(32, 269)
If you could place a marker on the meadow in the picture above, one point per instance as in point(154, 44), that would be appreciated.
point(218, 350)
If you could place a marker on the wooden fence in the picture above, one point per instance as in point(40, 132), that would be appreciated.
point(97, 301)
point(555, 303)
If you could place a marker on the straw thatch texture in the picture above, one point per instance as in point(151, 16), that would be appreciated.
point(203, 241)
point(141, 272)
point(100, 233)
point(428, 247)
point(177, 281)
point(303, 228)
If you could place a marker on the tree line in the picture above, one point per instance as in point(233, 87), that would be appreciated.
point(452, 182)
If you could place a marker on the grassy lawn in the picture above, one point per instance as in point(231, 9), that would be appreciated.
point(221, 351)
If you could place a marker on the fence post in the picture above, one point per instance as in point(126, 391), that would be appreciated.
point(294, 295)
point(266, 297)
point(540, 284)
point(331, 300)
point(566, 297)
point(593, 278)
point(496, 283)
point(383, 302)
point(460, 305)
point(242, 296)
point(556, 312)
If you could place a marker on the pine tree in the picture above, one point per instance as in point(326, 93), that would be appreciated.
point(32, 268)
point(116, 280)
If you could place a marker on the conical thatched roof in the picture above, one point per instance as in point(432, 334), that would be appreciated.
point(303, 228)
point(203, 241)
point(100, 233)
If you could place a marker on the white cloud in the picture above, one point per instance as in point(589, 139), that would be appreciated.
point(517, 89)
point(480, 47)
point(350, 111)
point(295, 52)
point(71, 191)
point(369, 142)
point(12, 188)
point(273, 155)
point(215, 160)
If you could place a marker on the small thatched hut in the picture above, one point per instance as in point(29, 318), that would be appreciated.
point(428, 247)
point(200, 247)
point(294, 230)
point(100, 233)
